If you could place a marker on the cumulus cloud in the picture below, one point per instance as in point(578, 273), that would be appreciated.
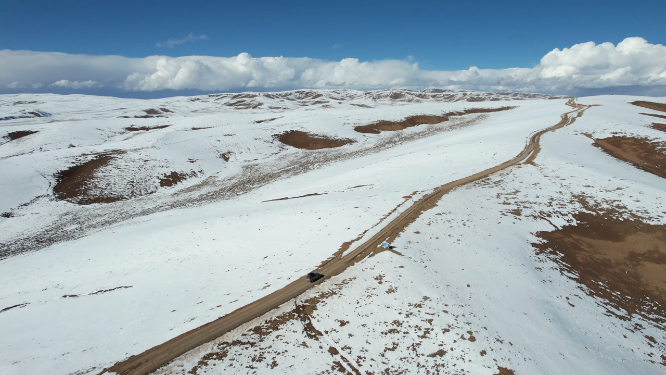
point(174, 42)
point(633, 63)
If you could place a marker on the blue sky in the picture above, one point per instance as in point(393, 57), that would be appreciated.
point(439, 35)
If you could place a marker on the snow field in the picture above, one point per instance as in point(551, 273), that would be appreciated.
point(177, 269)
point(468, 265)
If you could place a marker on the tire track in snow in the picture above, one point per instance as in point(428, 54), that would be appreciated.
point(158, 356)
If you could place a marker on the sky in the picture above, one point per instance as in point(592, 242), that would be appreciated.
point(165, 48)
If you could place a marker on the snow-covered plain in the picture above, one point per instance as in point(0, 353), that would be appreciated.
point(97, 283)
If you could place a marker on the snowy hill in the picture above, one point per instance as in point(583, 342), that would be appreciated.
point(126, 223)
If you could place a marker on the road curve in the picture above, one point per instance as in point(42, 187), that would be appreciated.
point(156, 357)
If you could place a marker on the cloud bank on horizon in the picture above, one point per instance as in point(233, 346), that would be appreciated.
point(634, 64)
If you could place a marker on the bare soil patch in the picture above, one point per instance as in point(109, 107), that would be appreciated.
point(19, 134)
point(641, 152)
point(135, 128)
point(80, 183)
point(111, 290)
point(621, 261)
point(152, 112)
point(244, 104)
point(410, 121)
point(266, 120)
point(172, 179)
point(650, 105)
point(307, 141)
point(300, 196)
point(657, 126)
point(226, 156)
point(653, 115)
point(13, 307)
point(72, 183)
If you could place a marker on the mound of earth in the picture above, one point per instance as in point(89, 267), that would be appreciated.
point(410, 121)
point(307, 141)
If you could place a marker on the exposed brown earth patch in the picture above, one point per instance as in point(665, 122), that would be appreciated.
point(621, 261)
point(244, 104)
point(226, 156)
point(504, 371)
point(172, 179)
point(81, 184)
point(657, 126)
point(653, 115)
point(266, 120)
point(72, 183)
point(300, 196)
point(410, 121)
point(439, 353)
point(258, 334)
point(307, 141)
point(15, 306)
point(19, 134)
point(477, 99)
point(110, 290)
point(152, 112)
point(641, 152)
point(650, 105)
point(135, 128)
point(26, 114)
point(315, 194)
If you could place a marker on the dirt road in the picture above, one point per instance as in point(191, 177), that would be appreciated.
point(158, 356)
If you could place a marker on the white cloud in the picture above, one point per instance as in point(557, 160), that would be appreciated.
point(633, 63)
point(74, 84)
point(15, 85)
point(189, 38)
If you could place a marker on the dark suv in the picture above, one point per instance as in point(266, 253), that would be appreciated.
point(313, 276)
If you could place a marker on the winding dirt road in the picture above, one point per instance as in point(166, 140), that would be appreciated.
point(156, 357)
